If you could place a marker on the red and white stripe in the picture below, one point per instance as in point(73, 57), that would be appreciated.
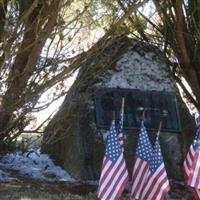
point(196, 193)
point(140, 173)
point(156, 186)
point(194, 177)
point(188, 161)
point(187, 165)
point(113, 180)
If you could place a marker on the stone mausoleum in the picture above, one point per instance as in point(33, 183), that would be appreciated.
point(137, 71)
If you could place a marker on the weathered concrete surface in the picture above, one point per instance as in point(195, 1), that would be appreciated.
point(73, 140)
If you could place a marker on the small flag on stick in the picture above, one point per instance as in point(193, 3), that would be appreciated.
point(194, 177)
point(141, 162)
point(157, 183)
point(191, 165)
point(114, 174)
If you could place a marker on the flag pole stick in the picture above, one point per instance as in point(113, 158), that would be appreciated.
point(159, 128)
point(143, 115)
point(122, 108)
point(113, 116)
point(122, 113)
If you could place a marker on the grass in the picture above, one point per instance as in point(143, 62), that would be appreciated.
point(42, 191)
point(31, 192)
point(25, 188)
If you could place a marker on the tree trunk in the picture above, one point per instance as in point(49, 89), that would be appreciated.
point(39, 25)
point(72, 138)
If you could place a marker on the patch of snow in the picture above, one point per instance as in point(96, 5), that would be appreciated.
point(5, 176)
point(35, 165)
point(92, 182)
point(133, 70)
point(105, 134)
point(93, 126)
point(91, 105)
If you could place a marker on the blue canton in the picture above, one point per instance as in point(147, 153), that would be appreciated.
point(113, 148)
point(196, 143)
point(144, 147)
point(156, 159)
point(197, 119)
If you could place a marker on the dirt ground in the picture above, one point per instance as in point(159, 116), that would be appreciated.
point(24, 188)
point(40, 190)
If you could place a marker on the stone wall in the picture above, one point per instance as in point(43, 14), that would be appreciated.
point(72, 138)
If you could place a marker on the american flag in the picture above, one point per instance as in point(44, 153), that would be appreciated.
point(141, 162)
point(157, 183)
point(191, 168)
point(114, 174)
point(194, 178)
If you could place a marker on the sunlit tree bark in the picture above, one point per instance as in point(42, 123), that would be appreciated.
point(35, 38)
point(174, 26)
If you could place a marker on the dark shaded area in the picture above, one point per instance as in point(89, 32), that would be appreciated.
point(36, 189)
point(157, 105)
point(72, 138)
